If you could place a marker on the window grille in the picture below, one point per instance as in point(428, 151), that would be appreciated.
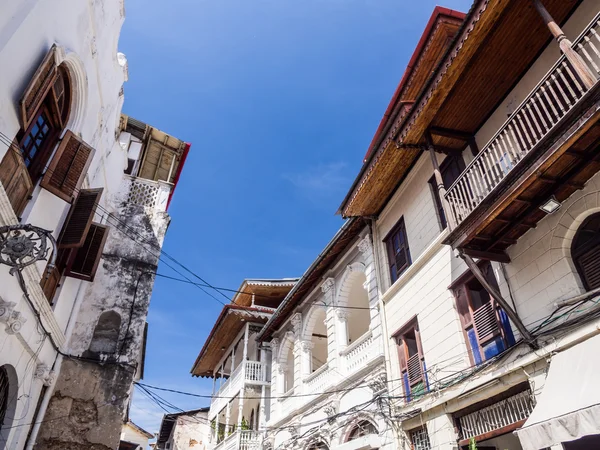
point(505, 412)
point(420, 439)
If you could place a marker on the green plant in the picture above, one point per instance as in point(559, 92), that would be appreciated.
point(472, 444)
point(245, 426)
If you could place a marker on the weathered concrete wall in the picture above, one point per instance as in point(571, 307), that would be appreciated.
point(88, 404)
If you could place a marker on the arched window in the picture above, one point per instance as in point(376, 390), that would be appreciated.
point(362, 428)
point(318, 337)
point(4, 393)
point(359, 317)
point(320, 445)
point(585, 251)
point(38, 140)
point(106, 333)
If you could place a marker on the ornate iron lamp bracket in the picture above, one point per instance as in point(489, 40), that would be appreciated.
point(23, 245)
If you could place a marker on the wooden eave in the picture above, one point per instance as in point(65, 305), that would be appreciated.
point(228, 325)
point(313, 276)
point(496, 45)
point(267, 293)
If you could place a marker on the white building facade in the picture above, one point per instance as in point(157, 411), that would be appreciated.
point(328, 379)
point(65, 152)
point(460, 369)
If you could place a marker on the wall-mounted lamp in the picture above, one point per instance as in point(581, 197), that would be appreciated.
point(550, 205)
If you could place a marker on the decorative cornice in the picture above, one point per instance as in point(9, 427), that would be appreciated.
point(342, 314)
point(297, 323)
point(365, 246)
point(307, 346)
point(13, 320)
point(43, 372)
point(328, 285)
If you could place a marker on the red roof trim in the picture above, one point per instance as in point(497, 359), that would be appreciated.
point(437, 12)
point(186, 150)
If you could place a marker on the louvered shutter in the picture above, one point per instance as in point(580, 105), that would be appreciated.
point(38, 87)
point(51, 278)
point(80, 218)
point(589, 262)
point(462, 305)
point(15, 179)
point(85, 260)
point(68, 167)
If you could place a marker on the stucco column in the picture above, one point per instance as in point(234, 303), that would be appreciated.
point(281, 371)
point(262, 418)
point(306, 358)
point(241, 408)
point(341, 328)
point(227, 417)
point(297, 365)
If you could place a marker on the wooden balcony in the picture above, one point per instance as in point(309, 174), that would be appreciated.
point(547, 147)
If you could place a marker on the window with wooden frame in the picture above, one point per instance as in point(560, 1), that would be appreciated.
point(412, 361)
point(44, 111)
point(450, 170)
point(398, 252)
point(585, 252)
point(80, 244)
point(486, 326)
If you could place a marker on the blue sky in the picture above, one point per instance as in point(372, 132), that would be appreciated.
point(280, 100)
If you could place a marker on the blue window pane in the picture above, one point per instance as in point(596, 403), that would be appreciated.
point(426, 378)
point(406, 386)
point(505, 323)
point(493, 348)
point(474, 346)
point(40, 120)
point(33, 151)
point(394, 274)
point(27, 141)
point(45, 128)
point(34, 130)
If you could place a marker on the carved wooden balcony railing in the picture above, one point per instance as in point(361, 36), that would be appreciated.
point(542, 110)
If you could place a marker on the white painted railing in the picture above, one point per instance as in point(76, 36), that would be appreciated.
point(358, 353)
point(229, 443)
point(250, 440)
point(255, 372)
point(153, 195)
point(554, 96)
point(319, 380)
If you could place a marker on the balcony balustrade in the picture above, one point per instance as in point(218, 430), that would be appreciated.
point(251, 372)
point(241, 440)
point(152, 195)
point(540, 113)
point(358, 353)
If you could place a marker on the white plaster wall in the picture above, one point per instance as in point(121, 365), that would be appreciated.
point(572, 28)
point(541, 271)
point(130, 434)
point(191, 428)
point(413, 200)
point(87, 33)
point(353, 274)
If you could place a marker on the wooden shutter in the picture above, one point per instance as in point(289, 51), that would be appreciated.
point(80, 218)
point(68, 167)
point(38, 88)
point(462, 305)
point(15, 179)
point(403, 253)
point(589, 263)
point(51, 277)
point(85, 259)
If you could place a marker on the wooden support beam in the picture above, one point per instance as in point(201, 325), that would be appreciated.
point(473, 146)
point(490, 256)
point(447, 150)
point(440, 183)
point(588, 78)
point(527, 336)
